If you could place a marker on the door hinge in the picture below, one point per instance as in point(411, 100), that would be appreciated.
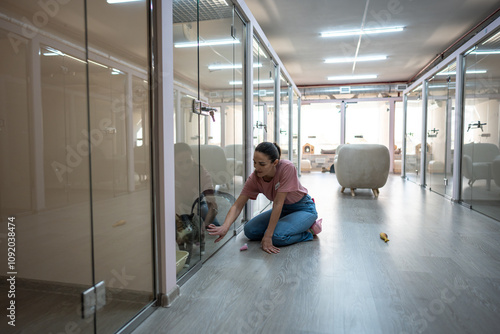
point(93, 299)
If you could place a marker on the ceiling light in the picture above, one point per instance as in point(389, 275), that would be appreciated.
point(352, 59)
point(485, 52)
point(121, 1)
point(206, 43)
point(339, 33)
point(353, 77)
point(116, 71)
point(229, 66)
point(96, 63)
point(468, 72)
point(256, 82)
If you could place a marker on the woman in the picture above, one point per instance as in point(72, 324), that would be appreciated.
point(293, 212)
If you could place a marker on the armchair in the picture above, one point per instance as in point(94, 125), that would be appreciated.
point(362, 166)
point(477, 162)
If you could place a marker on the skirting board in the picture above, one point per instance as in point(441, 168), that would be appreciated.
point(170, 297)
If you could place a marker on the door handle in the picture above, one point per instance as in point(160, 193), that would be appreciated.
point(203, 108)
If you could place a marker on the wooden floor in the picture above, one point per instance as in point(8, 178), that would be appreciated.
point(439, 273)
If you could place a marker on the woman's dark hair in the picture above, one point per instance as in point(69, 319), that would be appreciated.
point(272, 150)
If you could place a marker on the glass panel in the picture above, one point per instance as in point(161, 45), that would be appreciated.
point(218, 194)
point(264, 103)
point(121, 179)
point(319, 138)
point(375, 126)
point(187, 135)
point(481, 156)
point(264, 77)
point(413, 135)
point(44, 165)
point(284, 118)
point(440, 130)
point(209, 153)
point(233, 120)
point(398, 136)
point(189, 131)
point(295, 132)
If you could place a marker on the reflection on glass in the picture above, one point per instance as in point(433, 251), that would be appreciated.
point(440, 130)
point(284, 118)
point(264, 104)
point(209, 169)
point(398, 137)
point(413, 135)
point(480, 152)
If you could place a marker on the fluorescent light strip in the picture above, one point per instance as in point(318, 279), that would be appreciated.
point(468, 72)
point(352, 59)
point(485, 52)
point(98, 64)
point(353, 77)
point(115, 71)
point(207, 43)
point(358, 32)
point(229, 66)
point(256, 82)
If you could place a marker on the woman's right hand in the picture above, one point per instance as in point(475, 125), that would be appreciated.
point(221, 231)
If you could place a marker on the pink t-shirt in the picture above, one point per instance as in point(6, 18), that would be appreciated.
point(284, 181)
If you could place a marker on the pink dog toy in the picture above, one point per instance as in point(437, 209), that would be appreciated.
point(244, 247)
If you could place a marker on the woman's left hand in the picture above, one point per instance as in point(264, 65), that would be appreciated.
point(268, 247)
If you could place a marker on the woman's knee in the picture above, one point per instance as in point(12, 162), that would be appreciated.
point(251, 233)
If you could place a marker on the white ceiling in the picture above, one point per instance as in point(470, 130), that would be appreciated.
point(293, 28)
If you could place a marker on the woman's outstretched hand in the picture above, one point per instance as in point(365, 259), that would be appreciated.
point(221, 231)
point(268, 247)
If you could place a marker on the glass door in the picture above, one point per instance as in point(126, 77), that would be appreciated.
point(264, 74)
point(295, 131)
point(209, 40)
point(440, 131)
point(284, 119)
point(119, 95)
point(75, 167)
point(413, 135)
point(481, 128)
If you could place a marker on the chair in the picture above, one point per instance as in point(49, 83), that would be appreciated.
point(477, 162)
point(213, 159)
point(362, 166)
point(234, 153)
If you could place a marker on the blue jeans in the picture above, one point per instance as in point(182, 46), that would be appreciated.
point(293, 225)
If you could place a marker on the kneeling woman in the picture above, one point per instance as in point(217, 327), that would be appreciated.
point(293, 212)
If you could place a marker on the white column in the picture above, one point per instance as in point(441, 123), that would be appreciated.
point(248, 110)
point(165, 152)
point(392, 115)
point(403, 150)
point(423, 146)
point(459, 112)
